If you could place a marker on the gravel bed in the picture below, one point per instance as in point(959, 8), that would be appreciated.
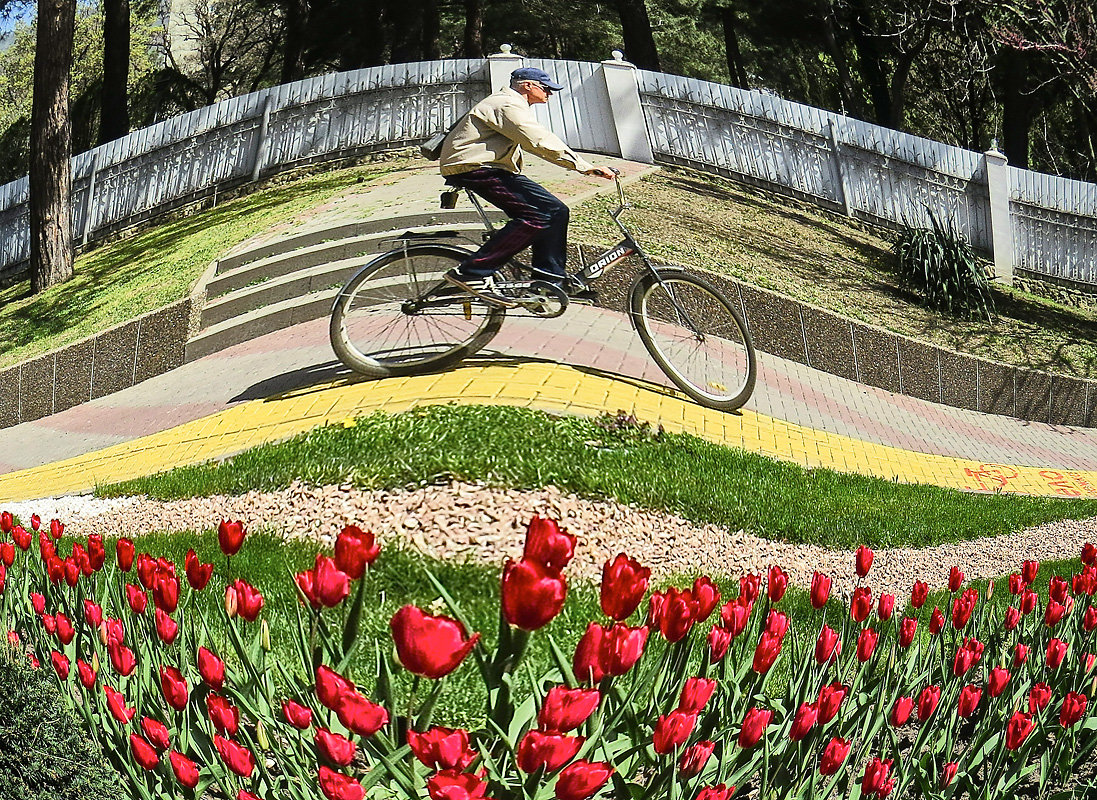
point(488, 524)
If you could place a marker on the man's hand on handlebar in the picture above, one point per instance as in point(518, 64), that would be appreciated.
point(602, 172)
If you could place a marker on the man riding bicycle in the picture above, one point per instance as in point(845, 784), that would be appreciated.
point(483, 153)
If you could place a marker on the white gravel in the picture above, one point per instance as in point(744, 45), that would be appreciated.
point(488, 524)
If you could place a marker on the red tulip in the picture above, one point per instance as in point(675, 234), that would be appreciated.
point(582, 779)
point(337, 749)
point(1017, 729)
point(1029, 599)
point(198, 574)
point(60, 665)
point(113, 630)
point(866, 644)
point(211, 668)
point(39, 603)
point(900, 711)
point(1089, 621)
point(249, 601)
point(1054, 613)
point(236, 757)
point(117, 705)
point(449, 784)
point(861, 604)
point(87, 674)
point(864, 560)
point(777, 623)
point(355, 549)
point(834, 755)
point(969, 700)
point(936, 622)
point(65, 631)
point(548, 751)
point(955, 579)
point(948, 772)
point(331, 686)
point(532, 594)
point(777, 584)
point(672, 613)
point(124, 551)
point(1089, 554)
point(720, 791)
point(7, 553)
point(927, 702)
point(143, 752)
point(325, 585)
point(704, 597)
point(829, 701)
point(1073, 709)
point(918, 594)
point(1056, 652)
point(827, 646)
point(806, 717)
point(1029, 570)
point(754, 726)
point(166, 628)
point(7, 521)
point(624, 583)
point(223, 714)
point(93, 614)
point(565, 709)
point(1013, 618)
point(766, 652)
point(122, 658)
point(996, 681)
point(174, 687)
point(297, 715)
point(337, 786)
point(875, 777)
point(672, 730)
point(49, 622)
point(427, 645)
point(442, 748)
point(137, 599)
point(886, 607)
point(1088, 661)
point(734, 616)
point(694, 758)
point(230, 535)
point(360, 715)
point(907, 628)
point(156, 732)
point(962, 607)
point(548, 544)
point(622, 647)
point(1038, 697)
point(57, 528)
point(1057, 589)
point(165, 592)
point(186, 771)
point(820, 589)
point(695, 694)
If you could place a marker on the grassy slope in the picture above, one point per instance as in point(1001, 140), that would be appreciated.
point(677, 473)
point(710, 223)
point(140, 273)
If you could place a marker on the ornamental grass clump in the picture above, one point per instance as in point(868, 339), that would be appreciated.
point(939, 264)
point(680, 693)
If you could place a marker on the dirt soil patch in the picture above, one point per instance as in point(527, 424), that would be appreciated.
point(817, 257)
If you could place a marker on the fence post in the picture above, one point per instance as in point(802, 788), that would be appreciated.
point(836, 151)
point(626, 109)
point(262, 140)
point(500, 65)
point(89, 200)
point(1001, 234)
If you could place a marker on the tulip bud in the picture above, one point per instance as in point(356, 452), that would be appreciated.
point(261, 736)
point(264, 635)
point(103, 634)
point(230, 602)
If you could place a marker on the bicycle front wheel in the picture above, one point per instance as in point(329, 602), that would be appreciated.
point(381, 324)
point(696, 337)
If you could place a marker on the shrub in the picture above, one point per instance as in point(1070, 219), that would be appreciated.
point(941, 266)
point(44, 753)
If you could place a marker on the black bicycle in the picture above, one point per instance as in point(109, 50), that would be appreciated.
point(397, 316)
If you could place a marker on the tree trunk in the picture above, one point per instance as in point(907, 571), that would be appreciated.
point(51, 145)
point(114, 116)
point(1017, 107)
point(293, 52)
point(432, 26)
point(736, 71)
point(871, 62)
point(638, 38)
point(474, 29)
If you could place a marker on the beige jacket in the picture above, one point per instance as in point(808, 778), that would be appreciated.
point(496, 131)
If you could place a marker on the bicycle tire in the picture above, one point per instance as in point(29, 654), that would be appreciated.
point(371, 332)
point(709, 355)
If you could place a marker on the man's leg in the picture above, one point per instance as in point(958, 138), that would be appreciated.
point(537, 218)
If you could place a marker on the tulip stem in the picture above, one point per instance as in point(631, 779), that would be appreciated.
point(411, 699)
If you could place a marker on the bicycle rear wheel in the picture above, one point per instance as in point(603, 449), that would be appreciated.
point(696, 337)
point(381, 326)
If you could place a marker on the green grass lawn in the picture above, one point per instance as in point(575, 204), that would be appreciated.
point(677, 473)
point(129, 277)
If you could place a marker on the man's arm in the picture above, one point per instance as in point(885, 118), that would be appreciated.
point(519, 125)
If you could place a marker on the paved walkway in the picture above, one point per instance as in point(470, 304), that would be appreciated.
point(587, 361)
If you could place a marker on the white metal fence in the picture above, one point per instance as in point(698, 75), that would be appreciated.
point(1039, 223)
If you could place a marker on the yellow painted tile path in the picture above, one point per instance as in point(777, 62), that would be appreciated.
point(548, 387)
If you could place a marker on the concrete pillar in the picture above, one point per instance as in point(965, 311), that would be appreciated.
point(500, 65)
point(1001, 233)
point(628, 114)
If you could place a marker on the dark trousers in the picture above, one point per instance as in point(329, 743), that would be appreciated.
point(538, 219)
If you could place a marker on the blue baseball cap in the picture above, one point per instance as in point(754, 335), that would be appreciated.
point(534, 74)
